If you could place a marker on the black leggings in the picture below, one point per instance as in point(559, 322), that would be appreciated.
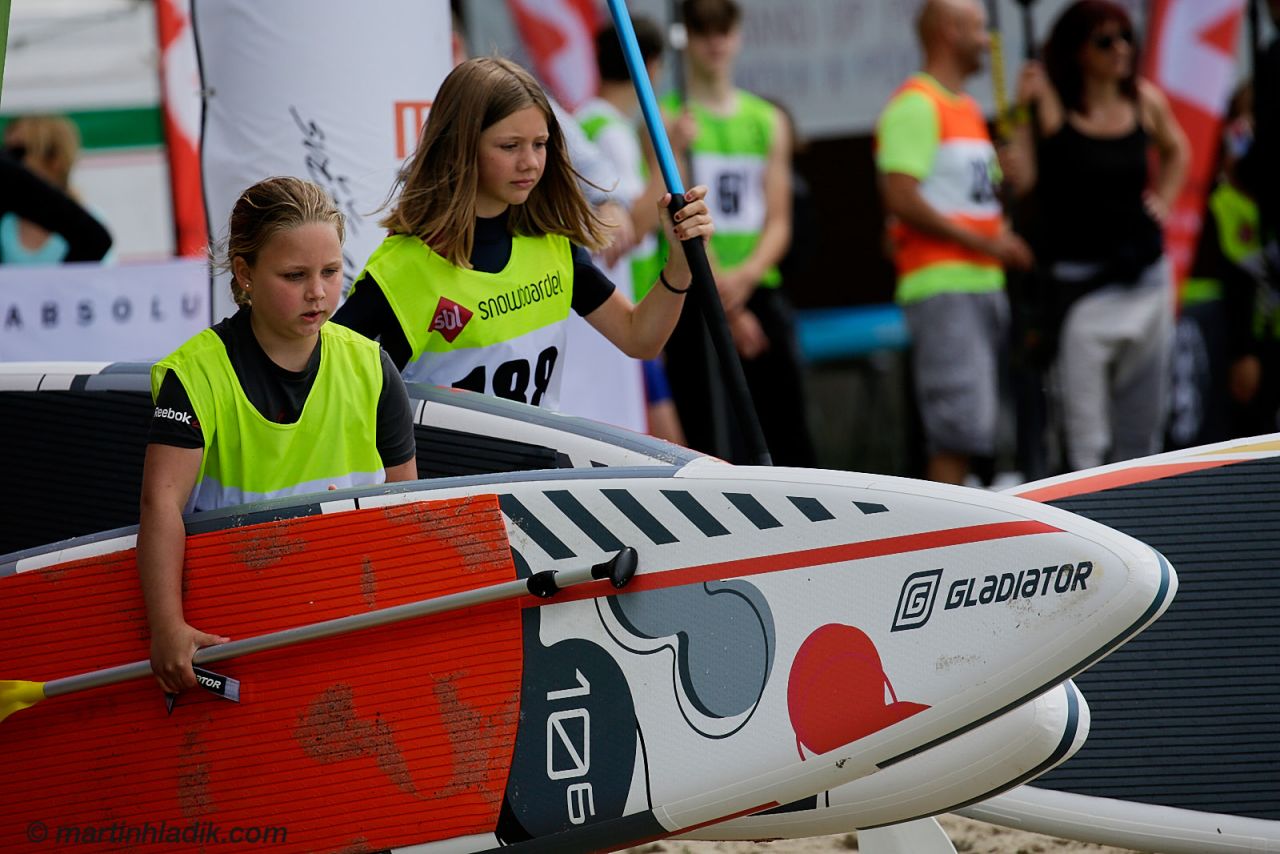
point(775, 379)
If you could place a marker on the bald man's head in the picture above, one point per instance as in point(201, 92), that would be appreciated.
point(954, 30)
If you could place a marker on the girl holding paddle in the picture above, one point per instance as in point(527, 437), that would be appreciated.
point(269, 402)
point(489, 245)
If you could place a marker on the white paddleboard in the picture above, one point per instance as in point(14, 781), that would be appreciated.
point(73, 436)
point(788, 631)
point(929, 603)
point(983, 762)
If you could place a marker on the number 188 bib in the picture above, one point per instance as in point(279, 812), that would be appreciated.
point(497, 333)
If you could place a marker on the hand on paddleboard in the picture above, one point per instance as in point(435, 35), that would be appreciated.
point(171, 653)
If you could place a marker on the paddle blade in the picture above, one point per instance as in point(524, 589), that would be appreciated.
point(16, 695)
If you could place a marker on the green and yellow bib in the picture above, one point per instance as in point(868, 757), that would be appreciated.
point(496, 333)
point(730, 155)
point(248, 458)
point(597, 117)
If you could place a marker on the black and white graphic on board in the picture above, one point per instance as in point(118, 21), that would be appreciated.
point(577, 742)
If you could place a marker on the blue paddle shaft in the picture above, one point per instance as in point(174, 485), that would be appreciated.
point(648, 101)
point(704, 286)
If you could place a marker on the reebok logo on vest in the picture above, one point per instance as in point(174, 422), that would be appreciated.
point(174, 415)
point(449, 319)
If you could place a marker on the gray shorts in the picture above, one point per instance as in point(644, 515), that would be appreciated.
point(955, 345)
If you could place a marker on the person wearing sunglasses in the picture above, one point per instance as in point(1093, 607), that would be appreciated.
point(1102, 212)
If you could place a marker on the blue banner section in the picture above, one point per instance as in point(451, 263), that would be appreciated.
point(832, 334)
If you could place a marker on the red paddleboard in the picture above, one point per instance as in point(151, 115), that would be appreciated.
point(308, 759)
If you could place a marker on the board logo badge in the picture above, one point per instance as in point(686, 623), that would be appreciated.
point(915, 602)
point(216, 683)
point(838, 690)
point(449, 319)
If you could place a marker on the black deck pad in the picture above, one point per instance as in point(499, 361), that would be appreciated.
point(1187, 714)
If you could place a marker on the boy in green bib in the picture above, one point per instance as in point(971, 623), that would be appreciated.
point(741, 151)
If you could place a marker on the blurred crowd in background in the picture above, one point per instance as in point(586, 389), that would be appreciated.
point(1049, 328)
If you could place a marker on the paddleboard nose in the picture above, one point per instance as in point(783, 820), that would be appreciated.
point(1009, 750)
point(1165, 577)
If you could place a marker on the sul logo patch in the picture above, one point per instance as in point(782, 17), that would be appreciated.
point(450, 318)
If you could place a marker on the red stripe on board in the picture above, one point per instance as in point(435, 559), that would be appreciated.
point(805, 557)
point(1113, 479)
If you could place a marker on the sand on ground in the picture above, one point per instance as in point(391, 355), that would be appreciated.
point(968, 837)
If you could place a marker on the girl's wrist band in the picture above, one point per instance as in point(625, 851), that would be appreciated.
point(662, 277)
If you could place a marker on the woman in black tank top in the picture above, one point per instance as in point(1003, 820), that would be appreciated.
point(1087, 158)
point(1100, 234)
point(1093, 196)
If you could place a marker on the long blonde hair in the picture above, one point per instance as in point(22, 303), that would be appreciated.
point(437, 201)
point(51, 141)
point(266, 209)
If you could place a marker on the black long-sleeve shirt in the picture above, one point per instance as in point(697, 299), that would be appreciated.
point(368, 312)
point(30, 197)
point(1260, 170)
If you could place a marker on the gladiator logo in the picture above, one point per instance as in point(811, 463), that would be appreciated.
point(449, 319)
point(210, 682)
point(915, 602)
point(1028, 584)
point(223, 686)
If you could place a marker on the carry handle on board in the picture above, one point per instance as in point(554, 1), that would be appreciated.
point(16, 695)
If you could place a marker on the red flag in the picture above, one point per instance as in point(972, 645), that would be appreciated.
point(180, 96)
point(1192, 58)
point(560, 38)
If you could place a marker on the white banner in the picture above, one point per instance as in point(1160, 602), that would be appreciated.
point(87, 312)
point(328, 90)
point(600, 381)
